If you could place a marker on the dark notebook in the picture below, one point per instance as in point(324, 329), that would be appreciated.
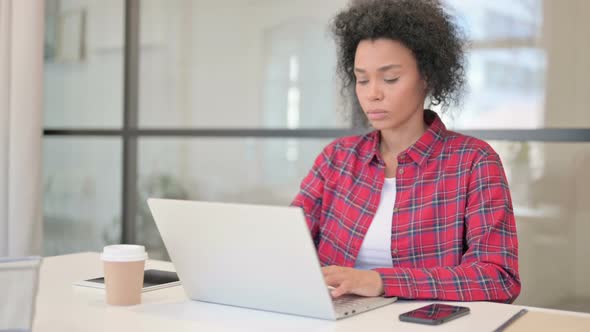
point(152, 279)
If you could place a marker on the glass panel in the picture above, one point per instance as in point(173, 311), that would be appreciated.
point(499, 20)
point(549, 188)
point(278, 71)
point(531, 57)
point(257, 171)
point(82, 194)
point(84, 63)
point(528, 64)
point(550, 191)
point(506, 90)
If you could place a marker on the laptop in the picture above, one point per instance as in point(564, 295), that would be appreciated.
point(250, 256)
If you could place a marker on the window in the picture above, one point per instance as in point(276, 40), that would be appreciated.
point(188, 108)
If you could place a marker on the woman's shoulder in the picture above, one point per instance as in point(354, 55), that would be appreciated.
point(465, 145)
point(357, 145)
point(347, 151)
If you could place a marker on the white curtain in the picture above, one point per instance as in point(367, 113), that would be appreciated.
point(21, 95)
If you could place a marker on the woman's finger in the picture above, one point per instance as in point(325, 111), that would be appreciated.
point(342, 289)
point(334, 279)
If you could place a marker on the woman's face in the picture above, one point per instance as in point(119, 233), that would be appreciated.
point(389, 86)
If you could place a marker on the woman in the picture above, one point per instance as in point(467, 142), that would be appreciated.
point(410, 209)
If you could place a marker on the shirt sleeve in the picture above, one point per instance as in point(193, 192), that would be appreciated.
point(311, 192)
point(489, 266)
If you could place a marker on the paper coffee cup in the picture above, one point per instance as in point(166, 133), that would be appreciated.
point(123, 273)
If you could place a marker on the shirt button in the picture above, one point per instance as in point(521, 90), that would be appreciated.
point(395, 210)
point(394, 251)
point(401, 171)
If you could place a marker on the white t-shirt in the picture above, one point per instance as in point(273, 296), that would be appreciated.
point(376, 248)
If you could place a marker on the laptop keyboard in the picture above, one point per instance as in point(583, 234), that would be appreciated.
point(352, 302)
point(348, 305)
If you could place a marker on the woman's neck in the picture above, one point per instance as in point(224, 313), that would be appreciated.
point(396, 140)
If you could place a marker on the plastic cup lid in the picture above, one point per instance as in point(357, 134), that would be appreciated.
point(124, 253)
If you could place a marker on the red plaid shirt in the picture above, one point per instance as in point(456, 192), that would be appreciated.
point(453, 233)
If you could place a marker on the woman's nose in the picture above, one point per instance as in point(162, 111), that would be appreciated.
point(375, 91)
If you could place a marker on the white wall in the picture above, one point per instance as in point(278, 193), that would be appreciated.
point(568, 43)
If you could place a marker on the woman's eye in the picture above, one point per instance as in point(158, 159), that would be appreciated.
point(392, 80)
point(362, 82)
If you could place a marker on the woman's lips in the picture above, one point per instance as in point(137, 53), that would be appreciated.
point(376, 115)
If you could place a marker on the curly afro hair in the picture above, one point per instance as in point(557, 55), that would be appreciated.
point(423, 26)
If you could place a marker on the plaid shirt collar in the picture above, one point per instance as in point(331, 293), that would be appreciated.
point(427, 146)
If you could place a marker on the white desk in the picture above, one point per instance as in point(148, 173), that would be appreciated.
point(63, 307)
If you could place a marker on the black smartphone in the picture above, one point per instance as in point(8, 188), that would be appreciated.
point(434, 314)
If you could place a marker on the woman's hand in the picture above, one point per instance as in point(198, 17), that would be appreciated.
point(347, 280)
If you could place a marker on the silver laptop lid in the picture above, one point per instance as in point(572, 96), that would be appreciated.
point(252, 256)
